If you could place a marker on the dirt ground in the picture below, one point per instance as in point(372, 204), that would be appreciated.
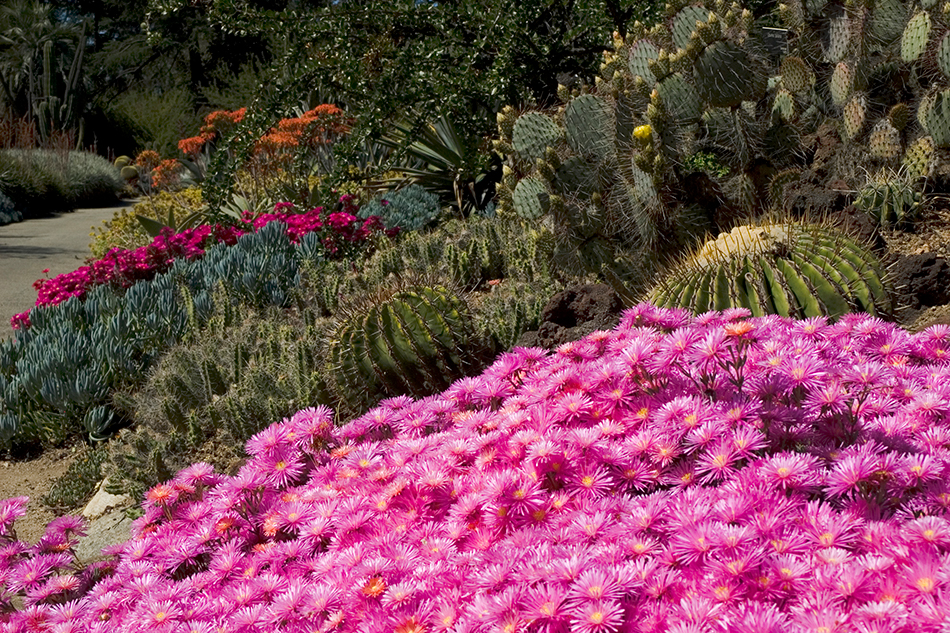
point(33, 477)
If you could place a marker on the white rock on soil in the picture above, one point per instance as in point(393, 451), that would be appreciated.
point(103, 501)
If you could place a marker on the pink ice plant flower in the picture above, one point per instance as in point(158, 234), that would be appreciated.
point(677, 474)
point(342, 234)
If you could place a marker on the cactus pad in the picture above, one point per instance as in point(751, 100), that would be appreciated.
point(590, 127)
point(725, 75)
point(784, 105)
point(577, 177)
point(885, 141)
point(853, 116)
point(916, 34)
point(934, 116)
point(943, 56)
point(839, 38)
point(532, 134)
point(778, 268)
point(685, 23)
point(679, 99)
point(918, 160)
point(641, 53)
point(840, 84)
point(888, 20)
point(530, 198)
point(796, 76)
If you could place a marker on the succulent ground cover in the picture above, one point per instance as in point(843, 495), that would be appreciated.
point(340, 234)
point(679, 473)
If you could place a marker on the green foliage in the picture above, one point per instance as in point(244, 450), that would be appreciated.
point(785, 268)
point(76, 353)
point(159, 118)
point(706, 162)
point(124, 230)
point(410, 208)
point(73, 490)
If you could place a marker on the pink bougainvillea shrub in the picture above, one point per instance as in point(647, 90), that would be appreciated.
point(677, 474)
point(341, 233)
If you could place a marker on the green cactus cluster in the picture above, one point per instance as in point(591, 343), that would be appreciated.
point(889, 199)
point(208, 395)
point(785, 268)
point(608, 170)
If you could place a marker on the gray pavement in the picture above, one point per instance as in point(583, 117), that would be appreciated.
point(59, 242)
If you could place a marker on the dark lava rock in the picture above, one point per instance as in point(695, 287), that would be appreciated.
point(574, 313)
point(921, 280)
point(856, 224)
point(803, 199)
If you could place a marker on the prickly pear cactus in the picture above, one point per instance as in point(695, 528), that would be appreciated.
point(916, 34)
point(884, 141)
point(532, 134)
point(784, 268)
point(918, 160)
point(934, 117)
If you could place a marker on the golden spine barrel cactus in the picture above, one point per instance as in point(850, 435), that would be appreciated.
point(778, 267)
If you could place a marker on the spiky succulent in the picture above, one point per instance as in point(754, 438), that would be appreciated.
point(413, 340)
point(786, 268)
point(888, 198)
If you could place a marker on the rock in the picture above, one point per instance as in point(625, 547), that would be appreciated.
point(921, 280)
point(111, 528)
point(574, 313)
point(104, 501)
point(108, 523)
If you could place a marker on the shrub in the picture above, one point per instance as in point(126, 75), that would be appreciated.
point(41, 181)
point(74, 354)
point(676, 473)
point(77, 486)
point(8, 213)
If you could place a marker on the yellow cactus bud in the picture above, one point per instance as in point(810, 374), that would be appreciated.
point(643, 132)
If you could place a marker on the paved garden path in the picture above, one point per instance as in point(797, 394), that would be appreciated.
point(59, 242)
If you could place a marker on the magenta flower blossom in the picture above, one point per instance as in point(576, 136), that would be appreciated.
point(712, 474)
point(341, 233)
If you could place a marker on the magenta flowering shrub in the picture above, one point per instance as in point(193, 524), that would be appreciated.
point(341, 234)
point(677, 474)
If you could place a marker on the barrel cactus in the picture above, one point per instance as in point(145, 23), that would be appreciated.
point(787, 268)
point(888, 198)
point(413, 340)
